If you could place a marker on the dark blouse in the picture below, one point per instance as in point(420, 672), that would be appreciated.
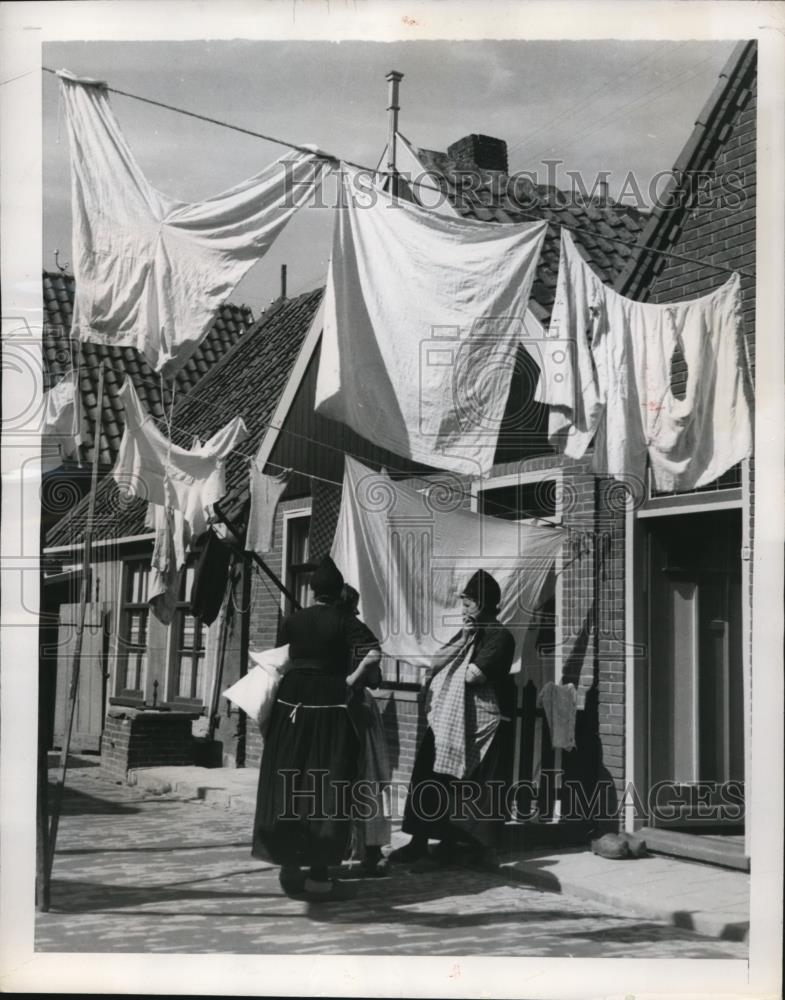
point(331, 635)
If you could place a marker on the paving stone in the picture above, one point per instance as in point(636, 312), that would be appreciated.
point(142, 873)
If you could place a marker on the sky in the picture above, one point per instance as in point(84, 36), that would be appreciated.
point(595, 106)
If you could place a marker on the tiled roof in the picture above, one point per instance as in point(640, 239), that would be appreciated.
point(247, 382)
point(60, 355)
point(605, 230)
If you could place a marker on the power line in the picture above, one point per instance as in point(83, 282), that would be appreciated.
point(333, 159)
point(577, 109)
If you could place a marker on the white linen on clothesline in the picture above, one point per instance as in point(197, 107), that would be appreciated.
point(423, 317)
point(409, 559)
point(606, 375)
point(152, 271)
point(149, 466)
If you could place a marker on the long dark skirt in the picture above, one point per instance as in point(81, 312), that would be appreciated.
point(469, 810)
point(308, 764)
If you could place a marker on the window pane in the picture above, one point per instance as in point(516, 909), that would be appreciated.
point(138, 577)
point(297, 541)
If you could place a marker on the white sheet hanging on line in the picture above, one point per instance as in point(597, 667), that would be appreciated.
point(149, 466)
point(409, 559)
point(607, 377)
point(423, 316)
point(172, 539)
point(62, 415)
point(266, 491)
point(152, 271)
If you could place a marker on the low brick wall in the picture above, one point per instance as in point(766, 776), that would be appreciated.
point(145, 738)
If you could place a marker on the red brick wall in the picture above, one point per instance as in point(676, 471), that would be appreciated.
point(134, 738)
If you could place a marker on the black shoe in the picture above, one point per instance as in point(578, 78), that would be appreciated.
point(291, 880)
point(409, 852)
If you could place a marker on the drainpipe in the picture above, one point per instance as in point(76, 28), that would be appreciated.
point(393, 78)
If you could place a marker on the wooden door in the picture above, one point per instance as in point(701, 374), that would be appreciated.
point(91, 696)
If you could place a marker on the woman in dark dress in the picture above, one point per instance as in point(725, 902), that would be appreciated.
point(437, 806)
point(310, 755)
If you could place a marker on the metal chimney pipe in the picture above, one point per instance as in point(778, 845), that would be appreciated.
point(283, 281)
point(393, 78)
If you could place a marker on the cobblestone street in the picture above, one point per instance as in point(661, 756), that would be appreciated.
point(140, 873)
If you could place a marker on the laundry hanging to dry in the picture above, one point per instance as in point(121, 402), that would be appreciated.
point(266, 490)
point(62, 415)
point(423, 315)
point(409, 558)
point(151, 271)
point(606, 375)
point(151, 467)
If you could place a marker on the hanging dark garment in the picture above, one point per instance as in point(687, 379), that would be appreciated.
point(211, 576)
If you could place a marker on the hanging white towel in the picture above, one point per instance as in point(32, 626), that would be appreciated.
point(172, 539)
point(149, 466)
point(409, 558)
point(62, 415)
point(152, 271)
point(423, 316)
point(559, 704)
point(266, 491)
point(607, 377)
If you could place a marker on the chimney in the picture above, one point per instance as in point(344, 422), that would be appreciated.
point(283, 281)
point(393, 78)
point(481, 151)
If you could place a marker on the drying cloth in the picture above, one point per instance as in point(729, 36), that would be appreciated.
point(211, 576)
point(410, 554)
point(325, 509)
point(460, 748)
point(172, 538)
point(152, 271)
point(149, 466)
point(266, 491)
point(423, 315)
point(607, 377)
point(559, 704)
point(63, 415)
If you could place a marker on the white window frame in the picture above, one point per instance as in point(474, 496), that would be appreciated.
point(291, 514)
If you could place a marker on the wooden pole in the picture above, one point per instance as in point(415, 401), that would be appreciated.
point(235, 530)
point(77, 657)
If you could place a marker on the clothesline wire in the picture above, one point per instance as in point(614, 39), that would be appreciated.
point(187, 436)
point(331, 158)
point(461, 492)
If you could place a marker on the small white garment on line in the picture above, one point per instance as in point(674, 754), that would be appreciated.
point(63, 415)
point(170, 549)
point(151, 467)
point(152, 271)
point(423, 315)
point(265, 493)
point(409, 558)
point(607, 377)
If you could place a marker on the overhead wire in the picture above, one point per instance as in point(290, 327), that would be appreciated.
point(579, 107)
point(334, 159)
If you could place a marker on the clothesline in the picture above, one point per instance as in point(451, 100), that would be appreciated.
point(462, 493)
point(187, 437)
point(333, 159)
